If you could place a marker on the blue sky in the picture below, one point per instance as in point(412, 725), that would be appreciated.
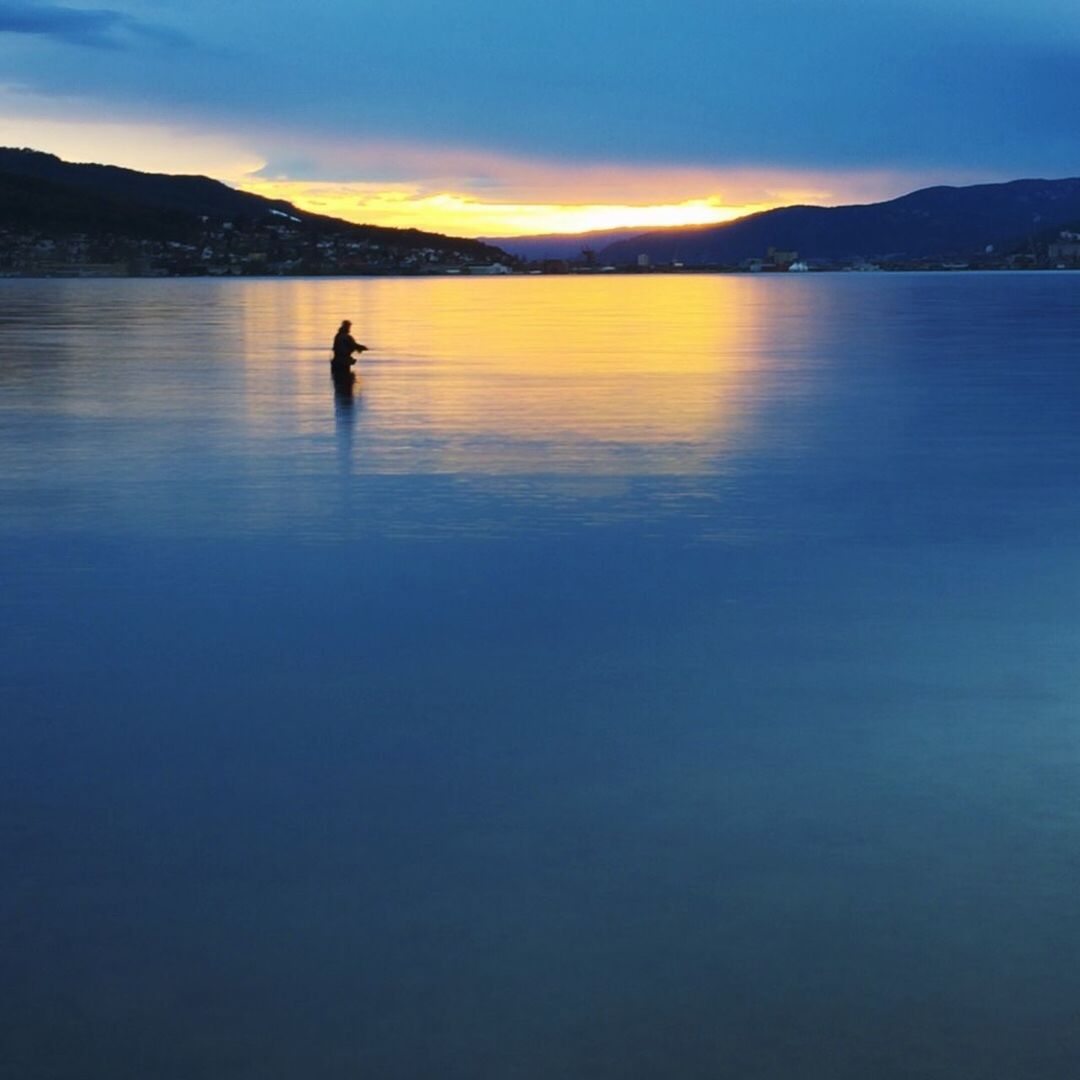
point(537, 103)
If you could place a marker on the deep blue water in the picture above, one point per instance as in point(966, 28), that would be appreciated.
point(637, 677)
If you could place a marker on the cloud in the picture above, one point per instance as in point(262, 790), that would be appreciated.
point(370, 168)
point(915, 87)
point(99, 28)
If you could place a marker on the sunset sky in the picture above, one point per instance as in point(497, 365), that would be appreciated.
point(486, 118)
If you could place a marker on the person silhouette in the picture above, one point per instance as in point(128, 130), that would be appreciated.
point(344, 347)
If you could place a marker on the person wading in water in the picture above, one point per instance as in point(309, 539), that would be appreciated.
point(344, 347)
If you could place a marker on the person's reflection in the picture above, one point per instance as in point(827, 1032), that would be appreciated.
point(346, 393)
point(344, 389)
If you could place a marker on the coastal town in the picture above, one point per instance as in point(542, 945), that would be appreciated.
point(287, 247)
point(279, 247)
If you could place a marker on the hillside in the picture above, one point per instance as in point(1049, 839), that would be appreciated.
point(937, 221)
point(58, 214)
point(48, 207)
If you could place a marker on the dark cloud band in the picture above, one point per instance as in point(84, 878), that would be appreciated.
point(99, 28)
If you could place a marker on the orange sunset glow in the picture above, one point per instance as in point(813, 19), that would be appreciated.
point(465, 215)
point(456, 190)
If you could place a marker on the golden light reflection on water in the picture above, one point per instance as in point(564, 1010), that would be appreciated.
point(485, 407)
point(584, 376)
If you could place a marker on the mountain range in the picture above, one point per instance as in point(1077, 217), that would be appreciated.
point(56, 215)
point(932, 222)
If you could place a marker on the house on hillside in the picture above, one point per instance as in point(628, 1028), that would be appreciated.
point(1065, 252)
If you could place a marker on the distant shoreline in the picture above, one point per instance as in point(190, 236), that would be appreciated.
point(92, 275)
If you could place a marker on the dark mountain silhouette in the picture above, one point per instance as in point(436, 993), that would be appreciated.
point(189, 194)
point(40, 191)
point(937, 221)
point(28, 202)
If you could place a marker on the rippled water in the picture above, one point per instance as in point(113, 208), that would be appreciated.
point(634, 677)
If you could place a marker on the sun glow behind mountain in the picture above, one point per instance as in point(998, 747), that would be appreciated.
point(458, 191)
point(470, 191)
point(466, 215)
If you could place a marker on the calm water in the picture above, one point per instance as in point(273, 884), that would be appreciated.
point(638, 677)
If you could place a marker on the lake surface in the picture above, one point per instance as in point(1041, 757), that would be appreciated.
point(635, 677)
